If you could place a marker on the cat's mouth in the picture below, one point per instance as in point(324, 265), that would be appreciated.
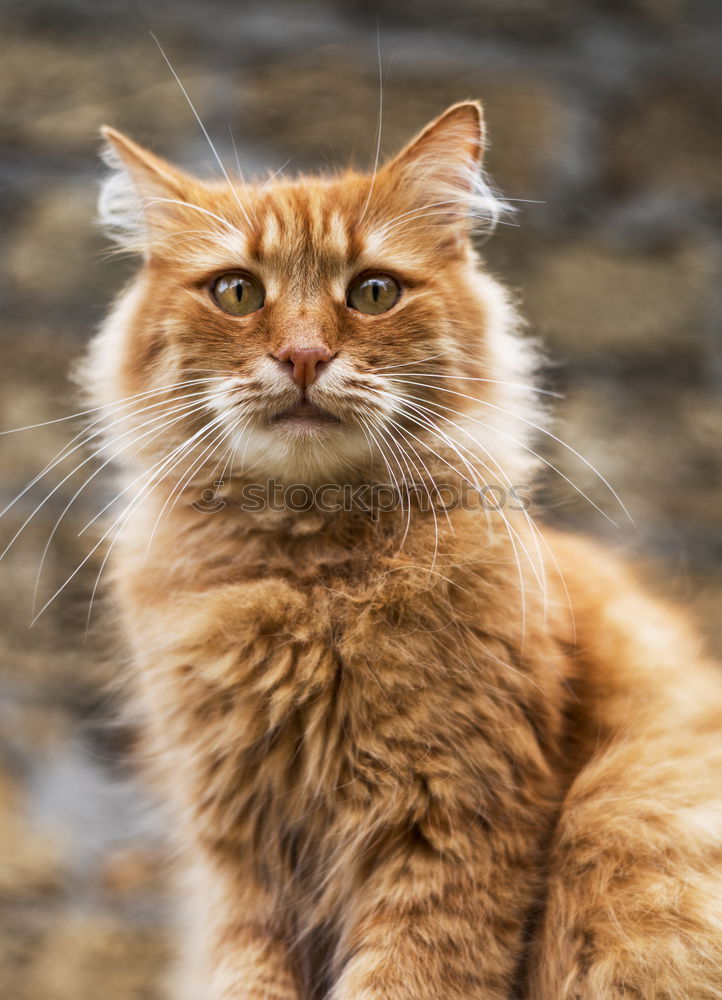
point(305, 412)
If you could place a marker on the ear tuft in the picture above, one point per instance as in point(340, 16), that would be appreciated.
point(132, 194)
point(120, 205)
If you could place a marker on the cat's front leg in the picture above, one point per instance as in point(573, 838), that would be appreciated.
point(215, 671)
point(635, 894)
point(426, 926)
point(234, 947)
point(634, 905)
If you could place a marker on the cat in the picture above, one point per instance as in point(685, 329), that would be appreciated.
point(413, 750)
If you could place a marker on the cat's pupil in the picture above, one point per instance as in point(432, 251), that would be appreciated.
point(376, 290)
point(239, 290)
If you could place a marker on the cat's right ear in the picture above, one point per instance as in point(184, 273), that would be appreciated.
point(440, 170)
point(140, 195)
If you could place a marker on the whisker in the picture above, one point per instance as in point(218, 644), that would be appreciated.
point(240, 171)
point(510, 530)
point(218, 371)
point(393, 481)
point(429, 416)
point(154, 432)
point(378, 126)
point(472, 230)
point(193, 408)
point(416, 211)
point(276, 173)
point(65, 453)
point(72, 472)
point(428, 493)
point(225, 460)
point(219, 161)
point(531, 423)
point(195, 208)
point(538, 536)
point(197, 464)
point(187, 442)
point(415, 361)
point(185, 480)
point(455, 445)
point(388, 440)
point(144, 493)
point(103, 406)
point(405, 432)
point(153, 473)
point(474, 378)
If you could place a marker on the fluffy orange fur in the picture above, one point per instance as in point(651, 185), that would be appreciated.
point(409, 755)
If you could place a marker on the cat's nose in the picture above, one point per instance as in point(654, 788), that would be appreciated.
point(304, 363)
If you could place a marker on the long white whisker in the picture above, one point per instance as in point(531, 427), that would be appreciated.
point(195, 208)
point(105, 406)
point(154, 472)
point(406, 432)
point(416, 211)
point(235, 153)
point(456, 446)
point(67, 451)
point(510, 530)
point(65, 478)
point(422, 215)
point(196, 464)
point(181, 448)
point(145, 491)
point(225, 460)
point(477, 483)
point(378, 127)
point(217, 371)
point(394, 480)
point(537, 534)
point(472, 231)
point(276, 173)
point(403, 402)
point(429, 416)
point(183, 416)
point(387, 439)
point(474, 378)
point(219, 161)
point(240, 171)
point(414, 361)
point(155, 431)
point(526, 447)
point(403, 431)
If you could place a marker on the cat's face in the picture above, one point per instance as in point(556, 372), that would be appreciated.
point(313, 327)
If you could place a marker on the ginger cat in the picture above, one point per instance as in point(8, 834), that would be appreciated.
point(409, 753)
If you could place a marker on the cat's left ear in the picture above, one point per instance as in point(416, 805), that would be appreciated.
point(141, 195)
point(440, 169)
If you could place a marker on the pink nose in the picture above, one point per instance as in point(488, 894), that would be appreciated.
point(304, 363)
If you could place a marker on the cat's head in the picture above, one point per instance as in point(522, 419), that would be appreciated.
point(315, 328)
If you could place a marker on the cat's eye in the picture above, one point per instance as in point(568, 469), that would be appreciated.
point(238, 294)
point(373, 294)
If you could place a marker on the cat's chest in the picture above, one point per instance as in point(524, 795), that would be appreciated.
point(375, 689)
point(303, 704)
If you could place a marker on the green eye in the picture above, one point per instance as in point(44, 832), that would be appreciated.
point(238, 294)
point(374, 294)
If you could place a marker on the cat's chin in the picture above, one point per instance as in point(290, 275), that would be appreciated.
point(301, 445)
point(305, 417)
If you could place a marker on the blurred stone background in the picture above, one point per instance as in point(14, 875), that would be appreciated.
point(606, 116)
